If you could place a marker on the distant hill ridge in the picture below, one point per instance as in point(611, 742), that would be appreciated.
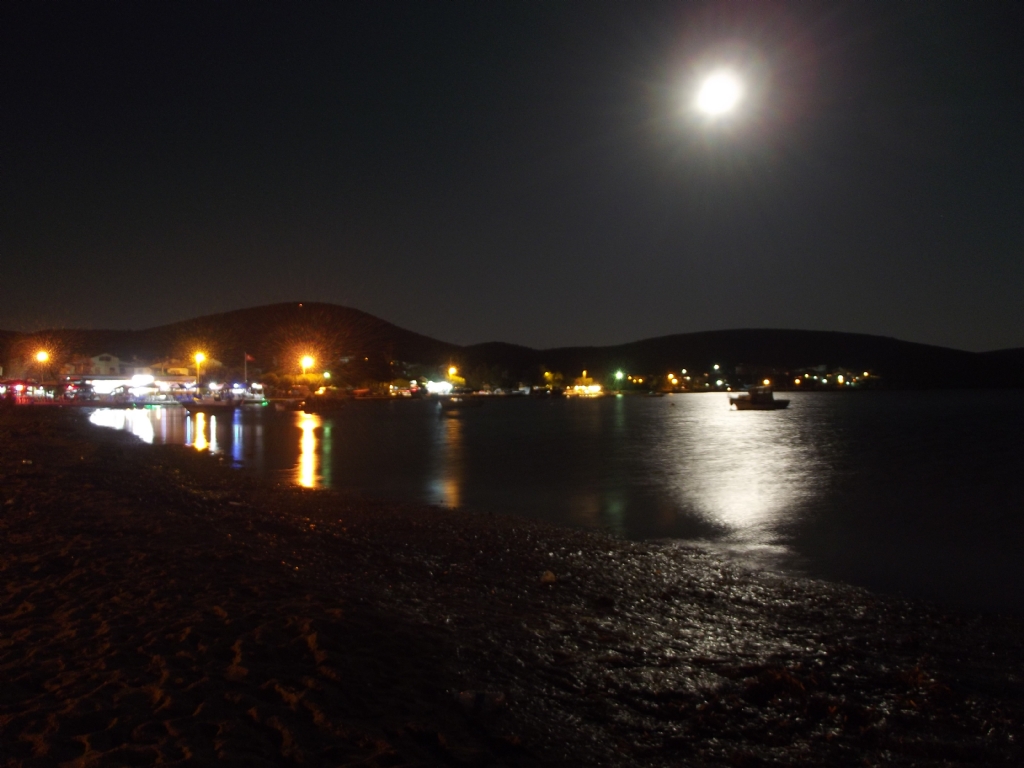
point(276, 333)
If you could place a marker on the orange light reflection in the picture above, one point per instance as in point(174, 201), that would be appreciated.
point(306, 470)
point(446, 480)
point(200, 443)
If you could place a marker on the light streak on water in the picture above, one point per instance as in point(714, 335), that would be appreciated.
point(200, 443)
point(137, 423)
point(444, 485)
point(306, 471)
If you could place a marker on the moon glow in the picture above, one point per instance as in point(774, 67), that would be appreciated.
point(719, 94)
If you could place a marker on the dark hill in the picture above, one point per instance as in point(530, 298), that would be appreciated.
point(276, 335)
point(1010, 357)
point(903, 363)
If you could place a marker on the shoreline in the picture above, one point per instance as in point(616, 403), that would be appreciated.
point(159, 606)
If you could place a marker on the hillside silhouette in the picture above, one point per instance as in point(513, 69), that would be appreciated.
point(275, 335)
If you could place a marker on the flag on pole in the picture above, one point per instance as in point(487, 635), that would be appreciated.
point(249, 358)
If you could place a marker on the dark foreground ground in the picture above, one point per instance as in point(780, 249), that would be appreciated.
point(156, 607)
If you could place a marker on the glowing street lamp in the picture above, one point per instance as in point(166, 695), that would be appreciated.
point(306, 362)
point(199, 358)
point(42, 357)
point(452, 370)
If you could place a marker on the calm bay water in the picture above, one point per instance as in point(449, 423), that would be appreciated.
point(919, 494)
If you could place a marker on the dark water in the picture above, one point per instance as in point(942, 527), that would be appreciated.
point(919, 494)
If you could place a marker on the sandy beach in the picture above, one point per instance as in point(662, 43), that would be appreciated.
point(158, 607)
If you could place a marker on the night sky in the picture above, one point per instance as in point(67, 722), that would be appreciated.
point(526, 172)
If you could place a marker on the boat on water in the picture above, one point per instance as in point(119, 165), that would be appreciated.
point(320, 404)
point(459, 402)
point(211, 406)
point(757, 399)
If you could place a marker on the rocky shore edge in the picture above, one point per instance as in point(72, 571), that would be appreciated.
point(158, 607)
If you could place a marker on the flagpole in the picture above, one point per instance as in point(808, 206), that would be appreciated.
point(245, 365)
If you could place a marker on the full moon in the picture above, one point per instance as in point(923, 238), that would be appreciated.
point(719, 94)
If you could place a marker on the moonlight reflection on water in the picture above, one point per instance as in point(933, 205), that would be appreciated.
point(747, 473)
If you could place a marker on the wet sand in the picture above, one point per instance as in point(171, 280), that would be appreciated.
point(158, 607)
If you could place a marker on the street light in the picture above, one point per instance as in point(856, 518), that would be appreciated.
point(199, 357)
point(42, 356)
point(306, 362)
point(452, 370)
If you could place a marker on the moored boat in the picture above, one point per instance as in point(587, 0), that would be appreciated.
point(320, 404)
point(211, 406)
point(757, 399)
point(458, 402)
point(286, 404)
